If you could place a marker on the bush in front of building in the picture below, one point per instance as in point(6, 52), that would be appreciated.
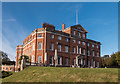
point(5, 74)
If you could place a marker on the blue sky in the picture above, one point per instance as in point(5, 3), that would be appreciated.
point(100, 19)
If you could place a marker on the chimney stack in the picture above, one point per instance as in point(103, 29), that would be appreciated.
point(63, 26)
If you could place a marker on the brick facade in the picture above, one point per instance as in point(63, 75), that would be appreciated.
point(69, 43)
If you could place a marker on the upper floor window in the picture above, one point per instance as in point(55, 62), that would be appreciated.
point(51, 46)
point(73, 49)
point(66, 48)
point(27, 52)
point(39, 45)
point(83, 35)
point(40, 35)
point(66, 39)
point(88, 52)
point(59, 37)
point(83, 43)
point(30, 51)
point(92, 45)
point(79, 50)
point(88, 44)
point(33, 36)
point(73, 32)
point(33, 46)
point(78, 34)
point(78, 42)
point(83, 51)
point(93, 53)
point(59, 47)
point(19, 54)
point(51, 36)
point(97, 54)
point(97, 46)
point(73, 40)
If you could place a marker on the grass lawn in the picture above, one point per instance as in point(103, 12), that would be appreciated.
point(64, 74)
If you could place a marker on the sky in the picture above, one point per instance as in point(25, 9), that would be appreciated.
point(100, 19)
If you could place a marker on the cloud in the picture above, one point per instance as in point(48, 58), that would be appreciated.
point(8, 20)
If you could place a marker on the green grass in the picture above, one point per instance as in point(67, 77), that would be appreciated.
point(64, 74)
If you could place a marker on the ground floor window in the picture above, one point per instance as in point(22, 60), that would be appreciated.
point(66, 61)
point(97, 64)
point(83, 62)
point(58, 60)
point(93, 63)
point(88, 63)
point(51, 60)
point(39, 59)
point(32, 58)
point(73, 61)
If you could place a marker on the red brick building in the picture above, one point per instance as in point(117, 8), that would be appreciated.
point(71, 42)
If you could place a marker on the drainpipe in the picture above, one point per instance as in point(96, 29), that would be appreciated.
point(36, 46)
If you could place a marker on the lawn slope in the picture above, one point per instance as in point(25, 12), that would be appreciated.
point(64, 74)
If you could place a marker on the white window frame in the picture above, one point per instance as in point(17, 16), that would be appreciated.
point(93, 45)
